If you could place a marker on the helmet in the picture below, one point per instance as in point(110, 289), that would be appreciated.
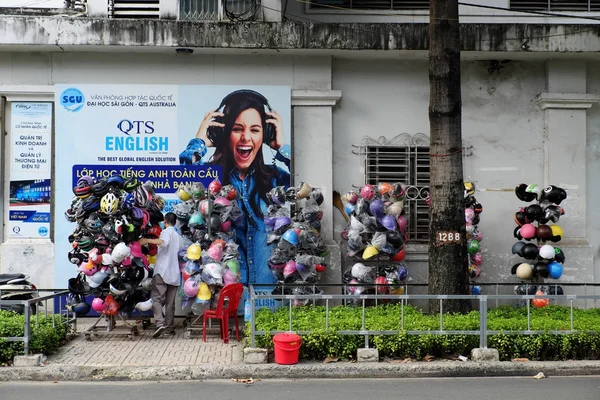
point(469, 214)
point(547, 252)
point(82, 189)
point(473, 246)
point(89, 268)
point(93, 223)
point(384, 288)
point(540, 269)
point(154, 231)
point(557, 233)
point(517, 247)
point(553, 194)
point(215, 252)
point(183, 210)
point(214, 187)
point(98, 278)
point(544, 232)
point(523, 194)
point(396, 208)
point(86, 243)
point(376, 208)
point(141, 196)
point(402, 223)
point(144, 305)
point(203, 292)
point(214, 269)
point(120, 252)
point(91, 203)
point(282, 223)
point(528, 231)
point(88, 180)
point(190, 287)
point(98, 304)
point(534, 212)
point(362, 272)
point(317, 196)
point(130, 184)
point(351, 197)
point(100, 188)
point(136, 249)
point(539, 303)
point(194, 252)
point(384, 188)
point(559, 256)
point(109, 204)
point(477, 258)
point(394, 238)
point(399, 256)
point(402, 273)
point(367, 192)
point(530, 251)
point(233, 265)
point(146, 284)
point(183, 193)
point(552, 213)
point(303, 191)
point(555, 270)
point(78, 285)
point(197, 190)
point(369, 252)
point(290, 236)
point(524, 271)
point(388, 222)
point(195, 220)
point(81, 308)
point(116, 180)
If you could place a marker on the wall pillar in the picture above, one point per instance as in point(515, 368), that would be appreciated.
point(564, 142)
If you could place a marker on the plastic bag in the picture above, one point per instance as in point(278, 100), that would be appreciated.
point(379, 240)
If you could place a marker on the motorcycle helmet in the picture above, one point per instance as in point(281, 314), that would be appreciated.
point(557, 233)
point(553, 194)
point(559, 256)
point(540, 303)
point(120, 252)
point(144, 305)
point(525, 195)
point(370, 252)
point(521, 218)
point(183, 193)
point(552, 213)
point(376, 208)
point(351, 197)
point(524, 271)
point(541, 269)
point(98, 305)
point(388, 222)
point(555, 270)
point(547, 252)
point(529, 251)
point(517, 247)
point(317, 196)
point(190, 287)
point(291, 237)
point(215, 187)
point(534, 212)
point(473, 246)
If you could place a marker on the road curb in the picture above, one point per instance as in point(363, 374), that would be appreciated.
point(344, 370)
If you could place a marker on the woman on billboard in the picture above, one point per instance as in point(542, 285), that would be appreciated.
point(237, 134)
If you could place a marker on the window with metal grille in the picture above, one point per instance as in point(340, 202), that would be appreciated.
point(135, 9)
point(404, 159)
point(370, 4)
point(555, 5)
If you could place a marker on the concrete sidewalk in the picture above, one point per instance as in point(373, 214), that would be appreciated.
point(113, 356)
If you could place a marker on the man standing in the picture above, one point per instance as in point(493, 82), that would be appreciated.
point(166, 277)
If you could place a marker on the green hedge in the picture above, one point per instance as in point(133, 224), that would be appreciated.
point(321, 344)
point(44, 338)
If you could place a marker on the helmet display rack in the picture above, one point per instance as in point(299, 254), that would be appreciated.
point(473, 209)
point(537, 225)
point(375, 238)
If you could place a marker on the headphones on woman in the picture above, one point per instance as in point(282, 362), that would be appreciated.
point(217, 135)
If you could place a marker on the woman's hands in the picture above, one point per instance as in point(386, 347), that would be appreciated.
point(207, 122)
point(277, 122)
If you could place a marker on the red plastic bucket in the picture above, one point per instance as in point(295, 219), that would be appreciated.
point(287, 348)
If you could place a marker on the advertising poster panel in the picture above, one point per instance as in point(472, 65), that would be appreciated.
point(172, 135)
point(30, 170)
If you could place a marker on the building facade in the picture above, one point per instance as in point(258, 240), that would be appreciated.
point(359, 78)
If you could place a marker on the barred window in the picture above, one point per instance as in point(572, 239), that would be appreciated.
point(370, 4)
point(555, 5)
point(403, 159)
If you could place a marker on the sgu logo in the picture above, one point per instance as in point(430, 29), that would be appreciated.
point(72, 99)
point(136, 127)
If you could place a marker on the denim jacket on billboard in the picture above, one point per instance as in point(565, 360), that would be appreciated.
point(250, 233)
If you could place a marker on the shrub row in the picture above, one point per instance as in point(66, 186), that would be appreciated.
point(319, 344)
point(45, 338)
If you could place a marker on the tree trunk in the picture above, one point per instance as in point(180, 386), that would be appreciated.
point(447, 257)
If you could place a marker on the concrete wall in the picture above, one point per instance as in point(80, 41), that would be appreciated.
point(501, 120)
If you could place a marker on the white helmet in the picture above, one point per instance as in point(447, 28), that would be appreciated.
point(107, 259)
point(120, 252)
point(97, 279)
point(146, 284)
point(144, 305)
point(524, 271)
point(214, 269)
point(547, 252)
point(361, 271)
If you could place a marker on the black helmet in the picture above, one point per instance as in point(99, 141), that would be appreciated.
point(523, 194)
point(523, 290)
point(317, 196)
point(541, 269)
point(552, 213)
point(394, 238)
point(529, 251)
point(517, 248)
point(521, 218)
point(559, 255)
point(553, 194)
point(534, 212)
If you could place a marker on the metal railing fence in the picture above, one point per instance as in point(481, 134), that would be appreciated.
point(482, 300)
point(60, 316)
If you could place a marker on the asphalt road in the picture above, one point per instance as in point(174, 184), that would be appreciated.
point(509, 388)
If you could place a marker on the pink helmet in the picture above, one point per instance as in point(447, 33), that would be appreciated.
point(89, 268)
point(136, 249)
point(215, 252)
point(290, 268)
point(469, 214)
point(367, 192)
point(222, 201)
point(226, 226)
point(477, 258)
point(98, 304)
point(402, 223)
point(528, 231)
point(190, 287)
point(229, 277)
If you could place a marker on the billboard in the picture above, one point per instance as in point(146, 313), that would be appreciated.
point(173, 135)
point(30, 170)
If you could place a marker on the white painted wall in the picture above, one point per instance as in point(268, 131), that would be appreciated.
point(379, 98)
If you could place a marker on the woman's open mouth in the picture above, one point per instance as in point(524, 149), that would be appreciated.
point(244, 152)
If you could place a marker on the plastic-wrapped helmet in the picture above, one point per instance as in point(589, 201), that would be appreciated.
point(130, 184)
point(290, 236)
point(214, 187)
point(190, 287)
point(351, 197)
point(362, 206)
point(363, 273)
point(367, 192)
point(195, 220)
point(370, 252)
point(109, 204)
point(182, 210)
point(388, 222)
point(402, 273)
point(317, 196)
point(144, 305)
point(376, 208)
point(477, 258)
point(473, 246)
point(277, 195)
point(98, 305)
point(194, 252)
point(197, 191)
point(281, 224)
point(183, 193)
point(402, 223)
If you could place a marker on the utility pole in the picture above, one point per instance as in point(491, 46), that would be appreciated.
point(447, 242)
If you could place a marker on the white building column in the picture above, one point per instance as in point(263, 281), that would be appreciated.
point(564, 139)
